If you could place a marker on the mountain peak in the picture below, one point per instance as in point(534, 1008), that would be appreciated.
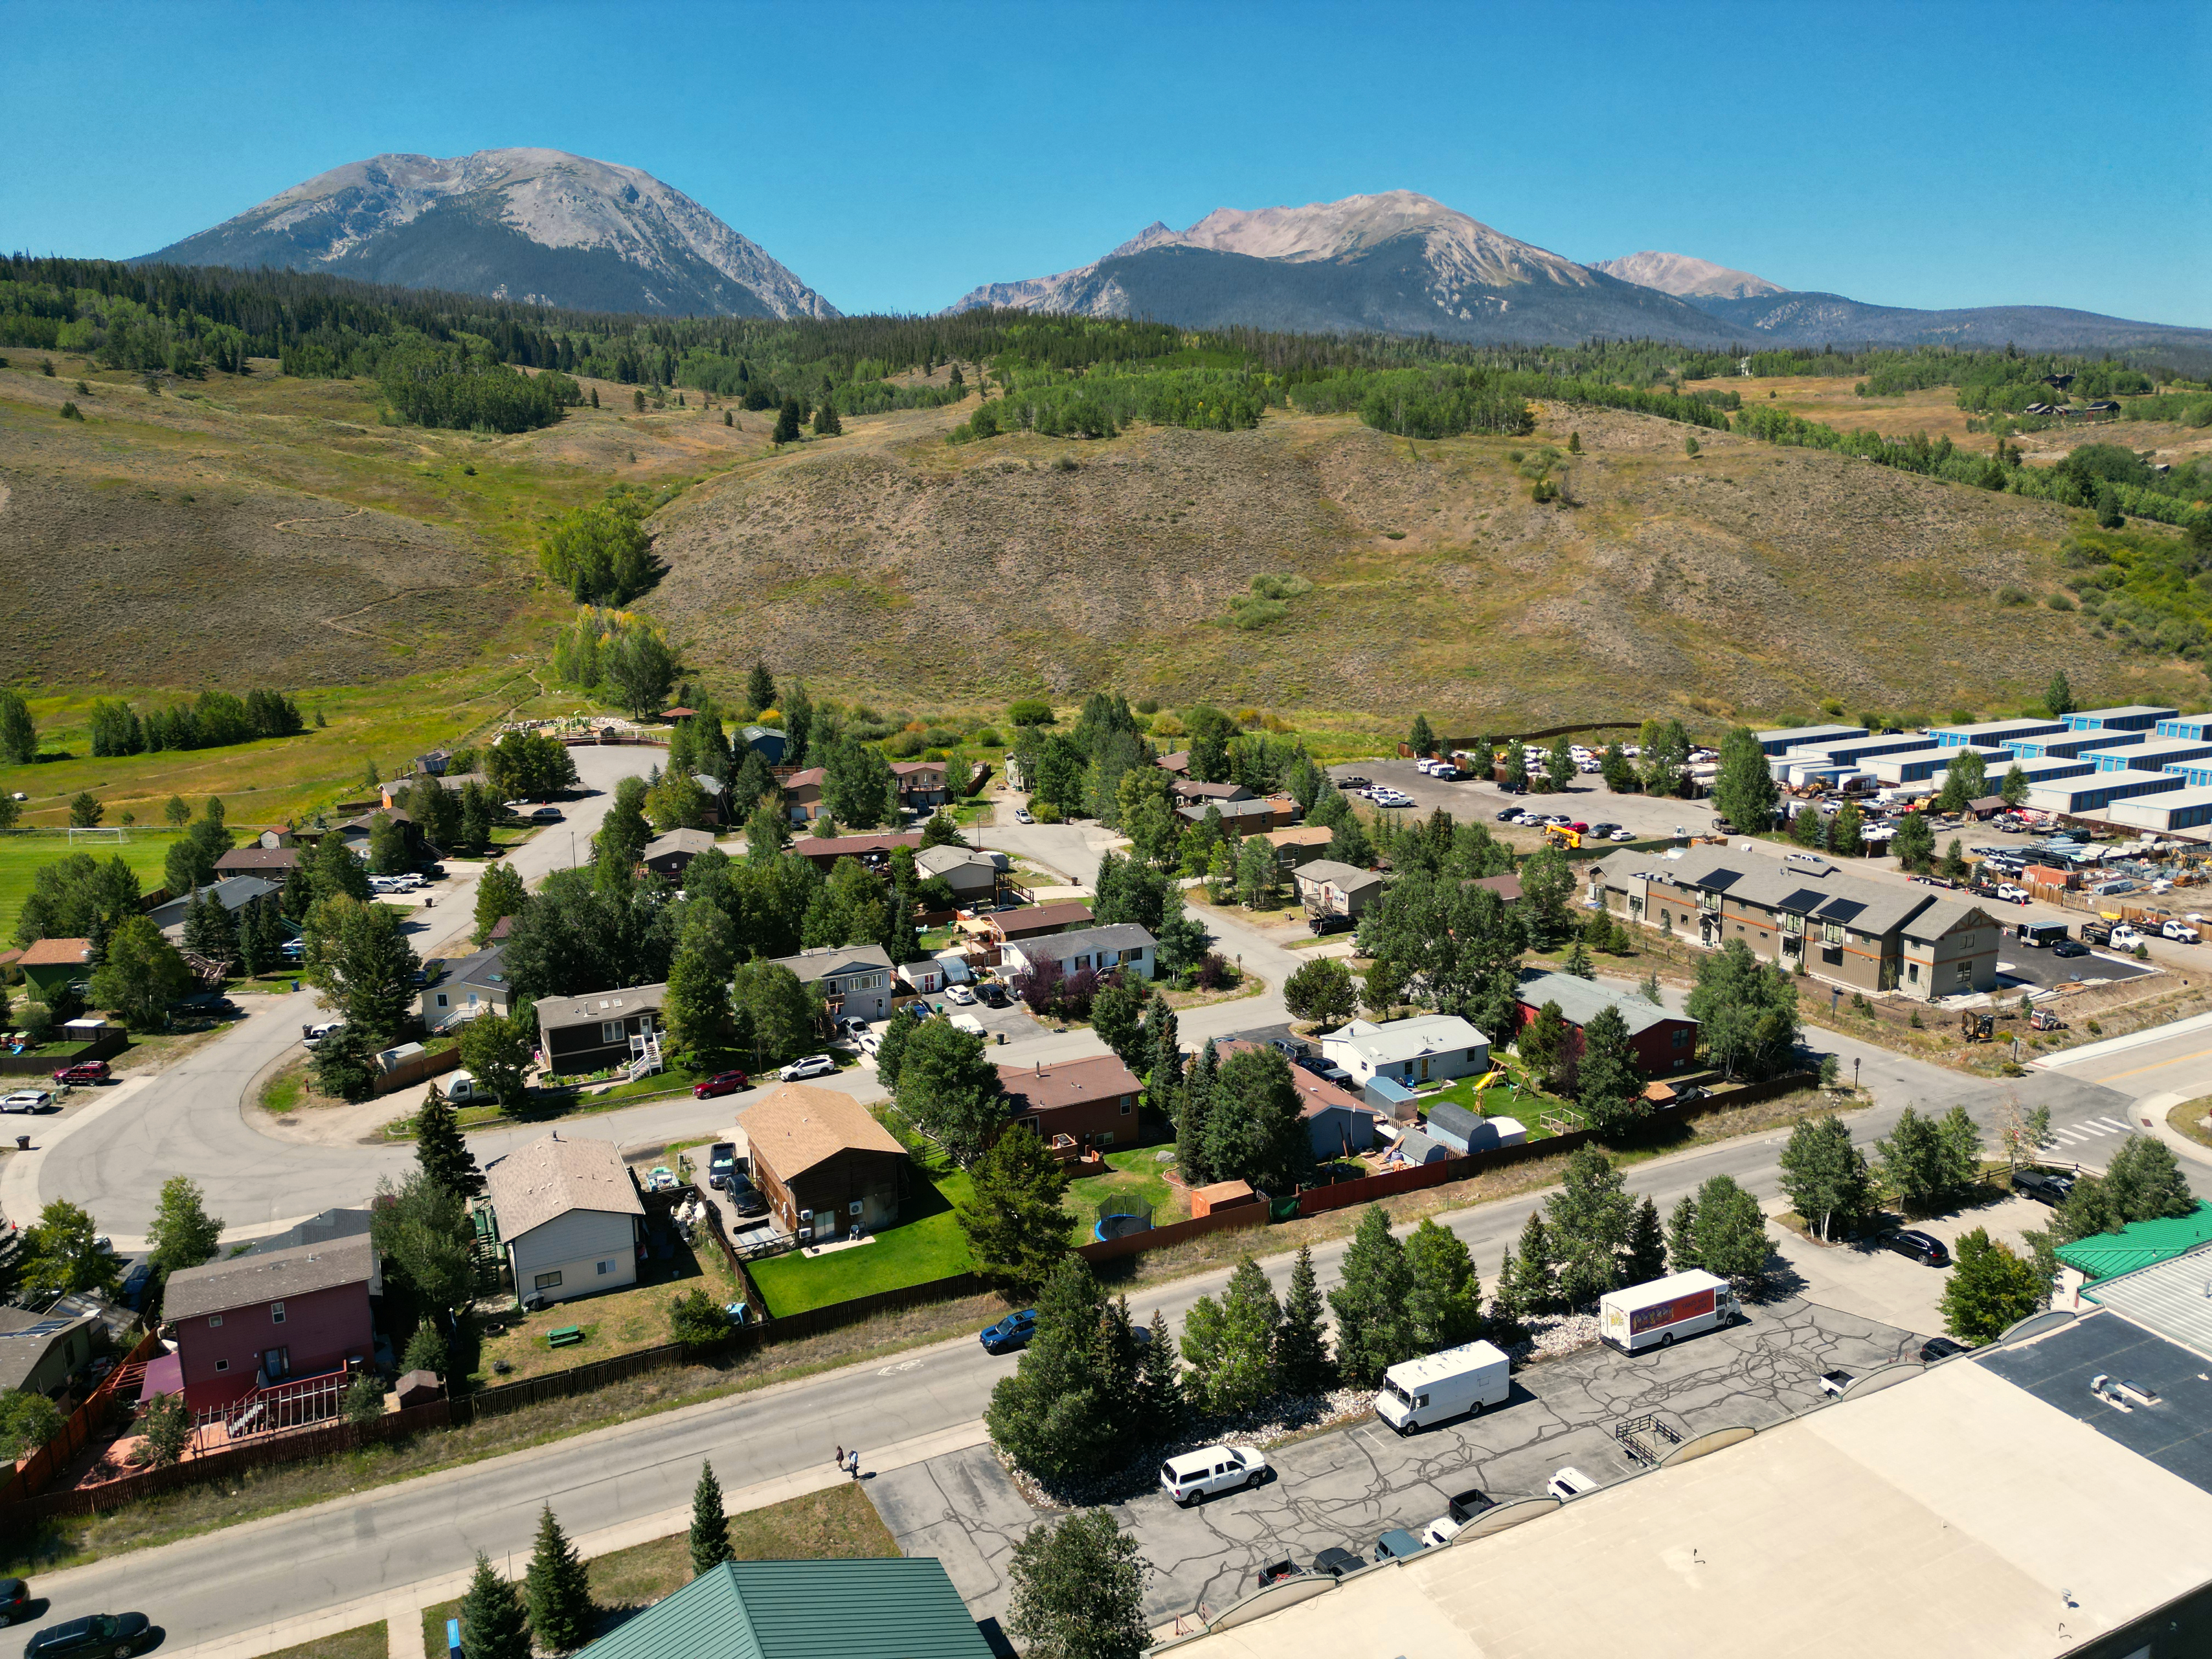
point(524, 223)
point(1687, 277)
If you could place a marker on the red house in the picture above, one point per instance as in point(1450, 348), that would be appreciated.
point(254, 1321)
point(1093, 1102)
point(1663, 1042)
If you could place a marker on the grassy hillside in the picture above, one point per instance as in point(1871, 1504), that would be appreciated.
point(1751, 579)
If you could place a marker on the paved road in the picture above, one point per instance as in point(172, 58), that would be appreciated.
point(388, 1540)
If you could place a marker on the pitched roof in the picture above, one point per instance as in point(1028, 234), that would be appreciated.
point(903, 1607)
point(1042, 918)
point(1222, 792)
point(554, 1013)
point(1506, 887)
point(1349, 877)
point(1581, 1000)
point(1946, 913)
point(2138, 1244)
point(241, 859)
point(1115, 936)
point(808, 776)
point(1301, 834)
point(1316, 1095)
point(936, 860)
point(271, 1276)
point(799, 1126)
point(232, 892)
point(828, 959)
point(551, 1177)
point(56, 953)
point(1178, 762)
point(485, 967)
point(28, 1337)
point(1406, 1039)
point(693, 842)
point(1040, 1088)
point(836, 847)
point(1810, 887)
point(908, 768)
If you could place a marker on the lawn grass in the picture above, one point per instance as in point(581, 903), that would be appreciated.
point(23, 853)
point(925, 1244)
point(361, 1641)
point(285, 1091)
point(1137, 1172)
point(1512, 1098)
point(838, 1523)
point(614, 1323)
point(2188, 1118)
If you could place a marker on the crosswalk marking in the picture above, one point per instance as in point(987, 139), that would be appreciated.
point(2081, 1131)
point(2115, 1123)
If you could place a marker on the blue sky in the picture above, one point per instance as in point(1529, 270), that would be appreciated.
point(895, 156)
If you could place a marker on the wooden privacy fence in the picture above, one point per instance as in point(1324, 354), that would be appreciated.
point(577, 1379)
point(1367, 1188)
point(322, 1440)
point(1159, 1238)
point(37, 1472)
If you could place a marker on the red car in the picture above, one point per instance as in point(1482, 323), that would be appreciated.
point(90, 1071)
point(722, 1083)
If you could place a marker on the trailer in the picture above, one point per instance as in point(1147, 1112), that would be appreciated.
point(1645, 1439)
point(1651, 1316)
point(1456, 1383)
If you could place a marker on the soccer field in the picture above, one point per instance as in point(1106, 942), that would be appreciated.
point(24, 852)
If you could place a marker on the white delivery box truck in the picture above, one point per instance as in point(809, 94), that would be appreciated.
point(1653, 1315)
point(1456, 1383)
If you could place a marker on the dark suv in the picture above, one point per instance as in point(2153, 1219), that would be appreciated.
point(1921, 1246)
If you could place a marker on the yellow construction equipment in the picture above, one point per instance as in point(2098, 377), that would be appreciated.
point(1560, 836)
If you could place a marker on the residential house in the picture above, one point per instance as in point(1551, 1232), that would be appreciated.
point(53, 965)
point(802, 794)
point(233, 893)
point(1036, 921)
point(455, 993)
point(1424, 1048)
point(1328, 887)
point(590, 1033)
point(1300, 845)
point(714, 790)
point(1247, 817)
point(823, 1161)
point(1178, 763)
point(972, 876)
point(568, 1217)
point(249, 1321)
point(824, 851)
point(354, 832)
point(1663, 1042)
point(1123, 945)
point(394, 793)
point(1340, 1123)
point(1189, 792)
point(1805, 911)
point(1508, 888)
point(856, 980)
point(1093, 1100)
point(670, 854)
point(902, 1607)
point(268, 863)
point(40, 1353)
point(765, 741)
point(922, 787)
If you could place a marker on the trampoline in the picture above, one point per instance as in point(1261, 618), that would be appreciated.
point(1118, 1218)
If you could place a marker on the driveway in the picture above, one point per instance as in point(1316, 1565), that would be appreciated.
point(1349, 1486)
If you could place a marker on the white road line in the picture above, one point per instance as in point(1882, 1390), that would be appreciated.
point(2093, 1128)
point(2067, 1135)
point(2115, 1123)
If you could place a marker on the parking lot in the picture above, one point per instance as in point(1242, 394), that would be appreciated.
point(1346, 1486)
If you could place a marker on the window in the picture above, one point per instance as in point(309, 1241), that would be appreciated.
point(1792, 922)
point(606, 1266)
point(222, 1364)
point(1708, 901)
point(1681, 1038)
point(1912, 973)
point(610, 1031)
point(215, 1321)
point(546, 1282)
point(1832, 932)
point(441, 998)
point(1127, 1104)
point(1966, 972)
point(276, 1313)
point(1104, 1137)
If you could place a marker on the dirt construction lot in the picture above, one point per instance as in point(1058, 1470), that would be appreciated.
point(1346, 1488)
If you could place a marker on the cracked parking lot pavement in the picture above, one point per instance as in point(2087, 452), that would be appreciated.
point(1348, 1485)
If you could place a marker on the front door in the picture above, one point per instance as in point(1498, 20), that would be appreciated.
point(276, 1364)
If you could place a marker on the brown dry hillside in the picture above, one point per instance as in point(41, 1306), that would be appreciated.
point(1754, 578)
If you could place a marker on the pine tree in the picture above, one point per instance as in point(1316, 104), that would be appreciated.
point(1302, 1362)
point(1682, 1235)
point(439, 1150)
point(557, 1590)
point(1445, 1301)
point(710, 1528)
point(1535, 1286)
point(1159, 1397)
point(826, 424)
point(493, 1623)
point(1647, 1248)
point(786, 423)
point(1375, 1329)
point(1192, 1120)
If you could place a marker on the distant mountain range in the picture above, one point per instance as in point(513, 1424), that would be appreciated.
point(1400, 263)
point(527, 224)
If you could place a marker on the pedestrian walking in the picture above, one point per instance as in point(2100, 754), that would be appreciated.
point(841, 1457)
point(856, 1463)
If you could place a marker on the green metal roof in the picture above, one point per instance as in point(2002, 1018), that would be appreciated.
point(865, 1610)
point(2138, 1244)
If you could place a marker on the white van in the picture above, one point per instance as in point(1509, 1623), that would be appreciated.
point(1652, 1315)
point(1457, 1382)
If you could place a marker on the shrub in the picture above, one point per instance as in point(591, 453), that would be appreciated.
point(696, 1320)
point(1251, 614)
point(2010, 595)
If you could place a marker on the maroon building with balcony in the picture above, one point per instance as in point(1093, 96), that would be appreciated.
point(255, 1322)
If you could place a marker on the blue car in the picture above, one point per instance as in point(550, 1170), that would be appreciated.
point(1012, 1333)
